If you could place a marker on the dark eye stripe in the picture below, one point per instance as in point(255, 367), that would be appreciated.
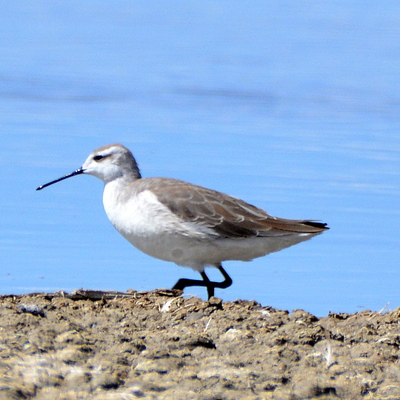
point(98, 158)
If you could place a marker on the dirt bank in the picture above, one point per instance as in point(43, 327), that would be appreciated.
point(160, 345)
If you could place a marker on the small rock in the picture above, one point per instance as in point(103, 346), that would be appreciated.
point(32, 309)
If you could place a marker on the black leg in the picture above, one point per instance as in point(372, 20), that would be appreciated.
point(183, 283)
point(208, 284)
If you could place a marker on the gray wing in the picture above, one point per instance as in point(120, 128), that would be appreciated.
point(227, 216)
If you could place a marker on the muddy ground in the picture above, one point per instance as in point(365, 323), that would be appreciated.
point(160, 345)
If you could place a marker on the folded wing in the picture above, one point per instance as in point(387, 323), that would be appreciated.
point(228, 216)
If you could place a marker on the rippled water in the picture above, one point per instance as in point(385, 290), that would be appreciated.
point(293, 109)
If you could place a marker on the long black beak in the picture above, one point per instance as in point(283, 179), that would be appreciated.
point(77, 172)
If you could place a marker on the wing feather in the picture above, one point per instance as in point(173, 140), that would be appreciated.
point(227, 216)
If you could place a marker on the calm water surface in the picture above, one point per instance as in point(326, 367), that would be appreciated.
point(294, 109)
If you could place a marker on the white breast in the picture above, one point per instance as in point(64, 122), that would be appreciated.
point(152, 227)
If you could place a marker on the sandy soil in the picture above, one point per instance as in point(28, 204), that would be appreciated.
point(160, 345)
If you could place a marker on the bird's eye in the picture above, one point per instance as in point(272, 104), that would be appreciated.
point(98, 158)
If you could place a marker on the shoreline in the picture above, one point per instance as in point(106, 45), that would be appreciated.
point(160, 345)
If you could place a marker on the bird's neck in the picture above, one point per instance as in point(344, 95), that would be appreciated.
point(119, 190)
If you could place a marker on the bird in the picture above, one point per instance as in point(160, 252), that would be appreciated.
point(184, 223)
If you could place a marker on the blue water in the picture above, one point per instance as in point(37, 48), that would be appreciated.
point(292, 106)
